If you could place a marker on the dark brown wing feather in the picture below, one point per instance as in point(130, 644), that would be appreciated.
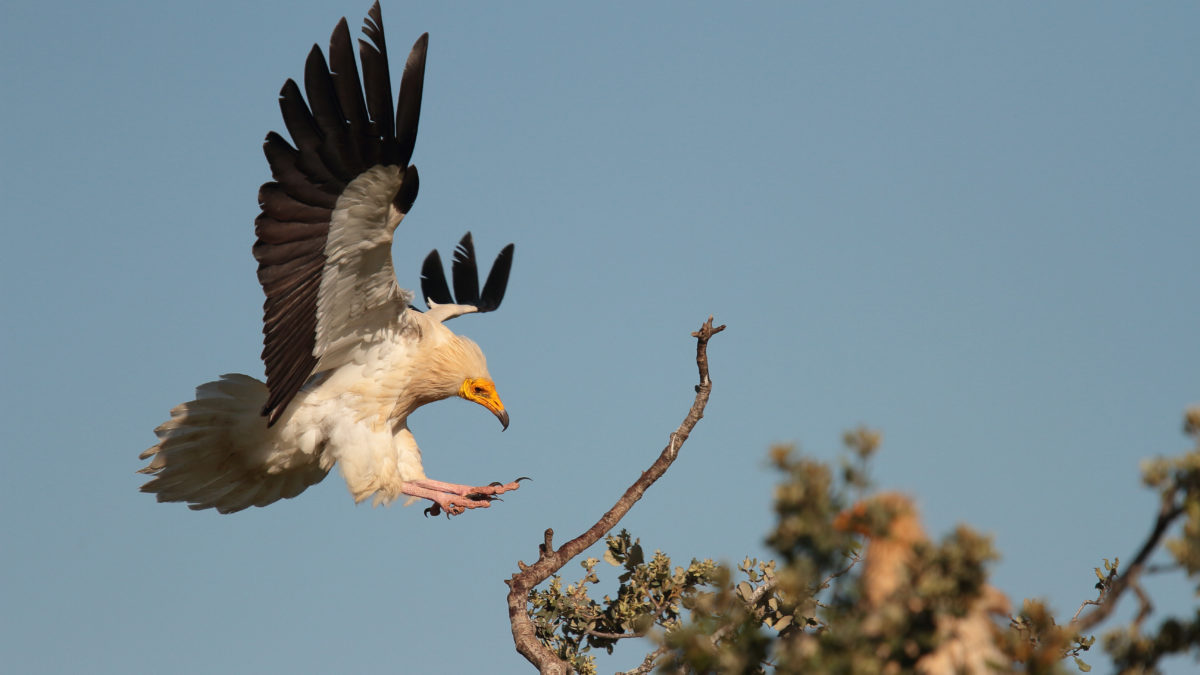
point(345, 127)
point(377, 83)
point(349, 94)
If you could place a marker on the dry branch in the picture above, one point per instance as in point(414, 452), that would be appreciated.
point(551, 560)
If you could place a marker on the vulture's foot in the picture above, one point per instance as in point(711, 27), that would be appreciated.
point(454, 498)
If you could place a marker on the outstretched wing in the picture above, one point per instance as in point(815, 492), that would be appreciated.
point(325, 231)
point(465, 271)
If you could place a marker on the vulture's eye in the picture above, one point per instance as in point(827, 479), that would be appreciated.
point(480, 391)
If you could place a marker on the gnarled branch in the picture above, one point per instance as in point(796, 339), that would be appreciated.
point(551, 560)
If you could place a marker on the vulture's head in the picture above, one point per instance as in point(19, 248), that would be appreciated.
point(456, 367)
point(482, 390)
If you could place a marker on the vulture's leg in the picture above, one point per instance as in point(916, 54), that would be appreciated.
point(464, 490)
point(455, 498)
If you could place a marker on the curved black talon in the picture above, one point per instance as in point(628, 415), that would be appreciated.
point(436, 510)
point(495, 483)
point(523, 478)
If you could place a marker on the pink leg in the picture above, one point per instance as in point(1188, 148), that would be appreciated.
point(463, 490)
point(455, 498)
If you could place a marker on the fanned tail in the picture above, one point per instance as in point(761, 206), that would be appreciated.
point(215, 452)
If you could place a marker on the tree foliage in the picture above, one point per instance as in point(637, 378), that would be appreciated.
point(855, 586)
point(804, 611)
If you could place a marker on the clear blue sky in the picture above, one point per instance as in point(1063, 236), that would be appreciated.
point(972, 226)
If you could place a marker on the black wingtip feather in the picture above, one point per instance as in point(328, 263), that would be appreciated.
point(408, 104)
point(466, 272)
point(433, 280)
point(344, 71)
point(377, 81)
point(497, 281)
point(407, 194)
point(465, 269)
point(334, 148)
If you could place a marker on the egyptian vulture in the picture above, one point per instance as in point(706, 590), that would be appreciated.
point(348, 358)
point(967, 643)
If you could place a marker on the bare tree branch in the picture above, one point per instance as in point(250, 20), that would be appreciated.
point(551, 560)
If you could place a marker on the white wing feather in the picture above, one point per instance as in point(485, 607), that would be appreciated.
point(359, 298)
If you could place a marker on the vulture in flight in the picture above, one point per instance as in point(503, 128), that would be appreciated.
point(348, 357)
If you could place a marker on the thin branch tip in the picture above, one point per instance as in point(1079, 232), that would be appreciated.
point(550, 560)
point(707, 330)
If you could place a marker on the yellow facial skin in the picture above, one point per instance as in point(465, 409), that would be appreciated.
point(483, 391)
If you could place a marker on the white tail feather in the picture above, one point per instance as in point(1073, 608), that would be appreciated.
point(213, 452)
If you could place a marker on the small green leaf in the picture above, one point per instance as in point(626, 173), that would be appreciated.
point(611, 559)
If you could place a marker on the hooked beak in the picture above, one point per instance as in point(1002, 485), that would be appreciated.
point(483, 391)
